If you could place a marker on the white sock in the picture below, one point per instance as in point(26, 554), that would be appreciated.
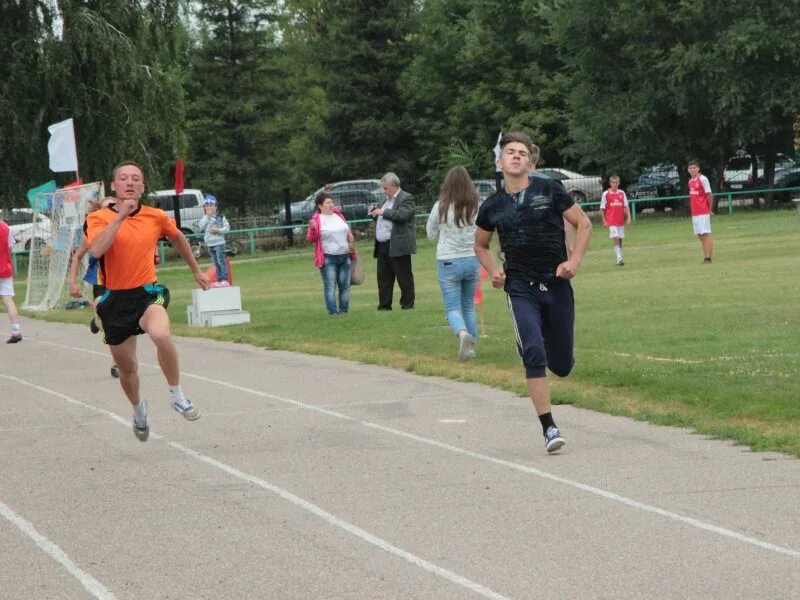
point(618, 252)
point(15, 328)
point(140, 410)
point(175, 392)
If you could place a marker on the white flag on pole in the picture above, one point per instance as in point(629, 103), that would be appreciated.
point(61, 147)
point(497, 147)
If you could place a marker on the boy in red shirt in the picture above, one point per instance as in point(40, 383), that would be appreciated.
point(7, 282)
point(615, 214)
point(700, 202)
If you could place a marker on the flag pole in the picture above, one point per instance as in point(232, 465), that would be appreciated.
point(75, 150)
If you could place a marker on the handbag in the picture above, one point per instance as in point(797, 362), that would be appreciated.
point(356, 271)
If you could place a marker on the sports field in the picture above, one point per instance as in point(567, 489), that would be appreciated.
point(664, 338)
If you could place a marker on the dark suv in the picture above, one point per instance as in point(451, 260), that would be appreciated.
point(353, 198)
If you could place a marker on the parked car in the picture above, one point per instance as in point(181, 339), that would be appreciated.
point(787, 178)
point(190, 205)
point(738, 173)
point(353, 198)
point(24, 230)
point(653, 185)
point(582, 188)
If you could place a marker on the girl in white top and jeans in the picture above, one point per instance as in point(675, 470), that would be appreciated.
point(328, 229)
point(452, 222)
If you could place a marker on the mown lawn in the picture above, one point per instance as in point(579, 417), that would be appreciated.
point(664, 338)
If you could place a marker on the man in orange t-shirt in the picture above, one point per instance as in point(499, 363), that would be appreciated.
point(122, 237)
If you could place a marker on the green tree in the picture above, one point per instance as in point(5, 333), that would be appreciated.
point(359, 49)
point(24, 38)
point(112, 66)
point(236, 90)
point(483, 66)
point(654, 82)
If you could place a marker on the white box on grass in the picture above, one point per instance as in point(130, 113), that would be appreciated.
point(216, 307)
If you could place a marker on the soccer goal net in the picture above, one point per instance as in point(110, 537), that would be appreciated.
point(57, 232)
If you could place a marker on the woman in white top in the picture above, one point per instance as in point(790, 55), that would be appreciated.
point(452, 222)
point(328, 229)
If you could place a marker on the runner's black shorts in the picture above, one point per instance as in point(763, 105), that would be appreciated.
point(120, 310)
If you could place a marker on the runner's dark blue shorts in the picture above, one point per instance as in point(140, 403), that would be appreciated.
point(543, 315)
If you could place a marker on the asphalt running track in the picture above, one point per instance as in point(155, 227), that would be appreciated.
point(310, 477)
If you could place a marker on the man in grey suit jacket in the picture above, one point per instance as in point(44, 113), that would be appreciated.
point(395, 242)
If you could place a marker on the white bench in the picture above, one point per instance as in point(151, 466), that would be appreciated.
point(217, 307)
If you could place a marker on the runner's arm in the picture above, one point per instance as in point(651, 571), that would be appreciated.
point(181, 244)
point(578, 219)
point(74, 290)
point(483, 240)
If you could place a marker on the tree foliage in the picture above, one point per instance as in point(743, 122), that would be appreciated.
point(265, 95)
point(665, 82)
point(235, 90)
point(111, 65)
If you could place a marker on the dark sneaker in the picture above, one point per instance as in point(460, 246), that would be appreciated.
point(185, 407)
point(620, 263)
point(93, 326)
point(15, 338)
point(141, 430)
point(553, 440)
point(115, 371)
point(706, 261)
point(466, 347)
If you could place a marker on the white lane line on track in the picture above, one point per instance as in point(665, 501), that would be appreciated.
point(94, 587)
point(729, 533)
point(329, 518)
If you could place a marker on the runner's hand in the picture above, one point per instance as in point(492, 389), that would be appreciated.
point(202, 280)
point(566, 270)
point(74, 290)
point(126, 207)
point(499, 279)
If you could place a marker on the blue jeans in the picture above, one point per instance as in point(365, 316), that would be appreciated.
point(336, 271)
point(217, 254)
point(458, 279)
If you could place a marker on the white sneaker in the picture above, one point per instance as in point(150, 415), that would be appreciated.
point(141, 431)
point(466, 347)
point(185, 407)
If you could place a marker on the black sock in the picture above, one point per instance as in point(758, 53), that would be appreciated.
point(547, 421)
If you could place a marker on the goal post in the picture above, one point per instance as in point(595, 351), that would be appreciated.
point(58, 219)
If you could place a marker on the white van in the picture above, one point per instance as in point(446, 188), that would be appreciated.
point(190, 204)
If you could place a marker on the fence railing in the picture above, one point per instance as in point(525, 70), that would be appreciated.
point(279, 237)
point(670, 201)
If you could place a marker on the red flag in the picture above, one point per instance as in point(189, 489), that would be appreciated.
point(179, 177)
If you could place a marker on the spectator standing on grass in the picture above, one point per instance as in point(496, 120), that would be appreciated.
point(215, 226)
point(615, 213)
point(7, 282)
point(700, 203)
point(528, 215)
point(395, 242)
point(123, 236)
point(452, 223)
point(333, 252)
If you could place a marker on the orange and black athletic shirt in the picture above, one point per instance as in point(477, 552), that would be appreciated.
point(128, 263)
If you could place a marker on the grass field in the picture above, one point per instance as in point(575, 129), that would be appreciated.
point(664, 339)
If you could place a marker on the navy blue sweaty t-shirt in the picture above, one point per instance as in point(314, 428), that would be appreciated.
point(530, 227)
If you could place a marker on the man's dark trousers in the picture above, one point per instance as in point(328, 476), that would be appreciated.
point(389, 269)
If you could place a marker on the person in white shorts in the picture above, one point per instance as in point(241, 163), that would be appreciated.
point(615, 213)
point(7, 282)
point(700, 201)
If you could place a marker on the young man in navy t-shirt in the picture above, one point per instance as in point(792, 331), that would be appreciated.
point(528, 215)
